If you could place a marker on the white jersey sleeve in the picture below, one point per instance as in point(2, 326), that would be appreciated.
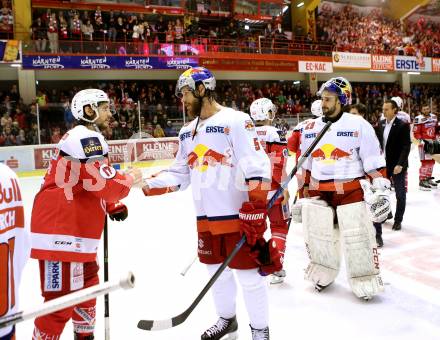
point(82, 143)
point(14, 243)
point(178, 174)
point(403, 116)
point(369, 149)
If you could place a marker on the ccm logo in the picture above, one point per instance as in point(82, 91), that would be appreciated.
point(63, 243)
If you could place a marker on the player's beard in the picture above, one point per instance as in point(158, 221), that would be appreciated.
point(194, 109)
point(329, 111)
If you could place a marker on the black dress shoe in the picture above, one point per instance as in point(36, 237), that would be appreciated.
point(397, 226)
point(379, 241)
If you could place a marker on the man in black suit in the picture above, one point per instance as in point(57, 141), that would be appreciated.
point(395, 140)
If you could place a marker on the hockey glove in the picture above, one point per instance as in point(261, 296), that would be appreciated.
point(377, 197)
point(252, 217)
point(267, 256)
point(117, 211)
point(429, 146)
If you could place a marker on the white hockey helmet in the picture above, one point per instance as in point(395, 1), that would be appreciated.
point(263, 109)
point(317, 108)
point(92, 97)
point(398, 101)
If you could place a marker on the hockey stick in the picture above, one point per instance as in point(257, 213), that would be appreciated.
point(126, 282)
point(155, 325)
point(185, 270)
point(106, 296)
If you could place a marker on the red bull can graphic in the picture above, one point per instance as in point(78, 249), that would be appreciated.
point(203, 157)
point(329, 154)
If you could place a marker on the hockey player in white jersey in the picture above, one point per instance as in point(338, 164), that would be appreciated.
point(274, 143)
point(342, 203)
point(14, 245)
point(220, 156)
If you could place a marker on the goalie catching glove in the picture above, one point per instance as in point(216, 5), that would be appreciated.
point(377, 197)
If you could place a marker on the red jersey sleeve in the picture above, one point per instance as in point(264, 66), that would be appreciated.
point(293, 141)
point(278, 156)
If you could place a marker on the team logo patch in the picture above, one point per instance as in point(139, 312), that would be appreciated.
point(249, 125)
point(347, 134)
point(285, 153)
point(76, 275)
point(217, 129)
point(107, 171)
point(92, 146)
point(53, 274)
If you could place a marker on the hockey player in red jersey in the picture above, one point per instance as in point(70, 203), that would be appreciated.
point(220, 156)
point(274, 143)
point(341, 203)
point(14, 246)
point(79, 189)
point(425, 126)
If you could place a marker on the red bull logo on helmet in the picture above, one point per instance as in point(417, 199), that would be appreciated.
point(191, 71)
point(202, 157)
point(329, 154)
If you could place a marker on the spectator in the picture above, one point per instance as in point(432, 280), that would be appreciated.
point(170, 34)
point(41, 99)
point(8, 137)
point(6, 22)
point(52, 33)
point(169, 130)
point(39, 34)
point(120, 29)
point(87, 30)
point(158, 132)
point(179, 31)
point(161, 28)
point(21, 138)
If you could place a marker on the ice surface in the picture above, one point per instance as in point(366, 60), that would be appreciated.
point(159, 239)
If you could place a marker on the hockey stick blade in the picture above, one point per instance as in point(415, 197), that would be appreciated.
point(157, 325)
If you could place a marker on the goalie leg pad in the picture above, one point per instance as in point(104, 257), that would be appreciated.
point(322, 244)
point(360, 249)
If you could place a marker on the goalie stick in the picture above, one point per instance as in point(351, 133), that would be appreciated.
point(156, 325)
point(126, 282)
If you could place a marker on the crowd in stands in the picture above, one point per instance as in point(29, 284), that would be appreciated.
point(160, 111)
point(141, 33)
point(351, 31)
point(6, 20)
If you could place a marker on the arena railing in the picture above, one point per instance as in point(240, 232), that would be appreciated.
point(192, 47)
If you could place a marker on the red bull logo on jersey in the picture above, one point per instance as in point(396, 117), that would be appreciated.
point(203, 157)
point(329, 154)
